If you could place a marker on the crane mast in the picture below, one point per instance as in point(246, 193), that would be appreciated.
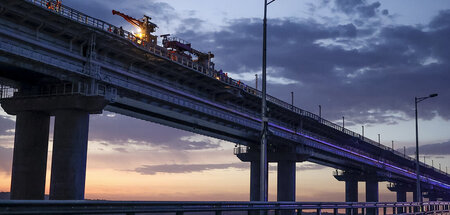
point(144, 26)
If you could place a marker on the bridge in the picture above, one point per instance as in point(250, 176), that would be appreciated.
point(56, 61)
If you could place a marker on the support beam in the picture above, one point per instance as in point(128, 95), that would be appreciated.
point(30, 155)
point(372, 195)
point(69, 155)
point(286, 181)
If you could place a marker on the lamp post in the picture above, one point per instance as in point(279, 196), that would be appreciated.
point(362, 128)
point(320, 111)
point(418, 190)
point(265, 121)
point(292, 100)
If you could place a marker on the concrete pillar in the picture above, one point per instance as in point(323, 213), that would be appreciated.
point(401, 197)
point(30, 155)
point(372, 195)
point(351, 191)
point(254, 180)
point(286, 181)
point(351, 194)
point(415, 196)
point(69, 155)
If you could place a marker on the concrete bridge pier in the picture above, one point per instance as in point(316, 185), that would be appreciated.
point(286, 181)
point(401, 197)
point(69, 155)
point(30, 151)
point(351, 194)
point(401, 190)
point(69, 148)
point(286, 157)
point(70, 140)
point(351, 188)
point(255, 173)
point(372, 194)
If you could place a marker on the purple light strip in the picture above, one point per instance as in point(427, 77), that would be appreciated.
point(403, 171)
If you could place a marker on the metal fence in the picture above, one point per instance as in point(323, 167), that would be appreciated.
point(179, 208)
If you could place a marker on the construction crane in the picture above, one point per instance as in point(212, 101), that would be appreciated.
point(144, 26)
point(180, 47)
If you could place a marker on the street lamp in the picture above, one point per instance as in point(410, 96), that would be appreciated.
point(320, 111)
point(265, 121)
point(418, 190)
point(292, 100)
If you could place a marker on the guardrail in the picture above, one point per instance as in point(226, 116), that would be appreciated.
point(217, 208)
point(63, 89)
point(79, 17)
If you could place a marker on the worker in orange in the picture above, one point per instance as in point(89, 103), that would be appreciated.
point(50, 5)
point(58, 5)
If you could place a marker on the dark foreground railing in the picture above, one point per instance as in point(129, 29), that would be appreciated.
point(179, 208)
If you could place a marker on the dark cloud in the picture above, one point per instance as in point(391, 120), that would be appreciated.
point(122, 130)
point(441, 21)
point(5, 159)
point(186, 168)
point(364, 73)
point(5, 125)
point(359, 7)
point(431, 149)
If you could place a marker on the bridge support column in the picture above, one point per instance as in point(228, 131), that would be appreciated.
point(70, 140)
point(69, 155)
point(254, 180)
point(351, 194)
point(286, 183)
point(401, 197)
point(69, 144)
point(30, 152)
point(372, 195)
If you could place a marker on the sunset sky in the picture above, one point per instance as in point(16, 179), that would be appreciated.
point(365, 60)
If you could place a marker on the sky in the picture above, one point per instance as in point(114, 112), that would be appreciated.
point(364, 60)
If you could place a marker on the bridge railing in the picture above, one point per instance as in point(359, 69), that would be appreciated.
point(179, 208)
point(211, 72)
point(61, 89)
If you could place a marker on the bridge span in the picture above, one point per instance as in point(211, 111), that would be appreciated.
point(63, 63)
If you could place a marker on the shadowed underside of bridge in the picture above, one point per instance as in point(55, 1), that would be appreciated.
point(68, 65)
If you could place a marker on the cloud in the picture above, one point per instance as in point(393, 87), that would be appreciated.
point(6, 155)
point(189, 168)
point(369, 74)
point(359, 7)
point(431, 149)
point(161, 13)
point(122, 130)
point(6, 125)
point(186, 168)
point(309, 166)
